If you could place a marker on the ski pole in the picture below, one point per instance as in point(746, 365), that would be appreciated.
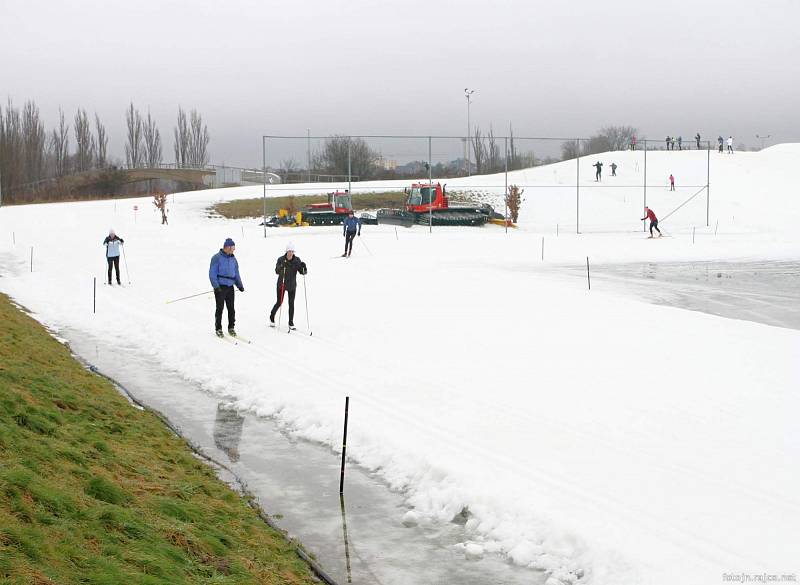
point(365, 245)
point(305, 296)
point(125, 259)
point(190, 297)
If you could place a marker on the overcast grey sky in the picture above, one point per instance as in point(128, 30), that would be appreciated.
point(366, 67)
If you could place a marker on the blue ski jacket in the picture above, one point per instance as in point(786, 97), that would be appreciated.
point(352, 224)
point(224, 270)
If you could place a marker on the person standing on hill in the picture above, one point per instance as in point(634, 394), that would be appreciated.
point(224, 274)
point(633, 142)
point(351, 225)
point(598, 175)
point(613, 169)
point(287, 268)
point(671, 182)
point(669, 141)
point(653, 221)
point(730, 144)
point(112, 244)
point(697, 139)
point(720, 140)
point(680, 142)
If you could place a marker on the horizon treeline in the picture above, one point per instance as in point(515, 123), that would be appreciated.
point(31, 153)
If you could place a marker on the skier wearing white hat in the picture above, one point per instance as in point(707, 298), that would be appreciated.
point(287, 268)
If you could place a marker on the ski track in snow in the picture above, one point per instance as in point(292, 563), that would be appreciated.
point(585, 432)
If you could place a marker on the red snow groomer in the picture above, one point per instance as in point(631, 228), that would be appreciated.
point(428, 203)
point(334, 212)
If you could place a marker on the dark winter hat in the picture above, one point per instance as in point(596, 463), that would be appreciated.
point(228, 242)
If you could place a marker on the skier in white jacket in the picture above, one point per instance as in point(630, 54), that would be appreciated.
point(730, 144)
point(112, 244)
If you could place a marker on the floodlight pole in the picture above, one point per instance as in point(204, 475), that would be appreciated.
point(430, 188)
point(349, 171)
point(468, 94)
point(505, 193)
point(644, 224)
point(264, 154)
point(308, 153)
point(708, 183)
point(578, 186)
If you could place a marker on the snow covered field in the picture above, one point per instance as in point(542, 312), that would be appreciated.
point(586, 433)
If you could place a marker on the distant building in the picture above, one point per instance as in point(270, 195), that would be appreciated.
point(387, 164)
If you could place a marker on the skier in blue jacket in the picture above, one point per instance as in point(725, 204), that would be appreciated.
point(224, 274)
point(351, 225)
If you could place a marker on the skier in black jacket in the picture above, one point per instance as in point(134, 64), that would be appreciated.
point(287, 268)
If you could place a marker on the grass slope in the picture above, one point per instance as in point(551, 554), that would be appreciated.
point(95, 491)
point(242, 208)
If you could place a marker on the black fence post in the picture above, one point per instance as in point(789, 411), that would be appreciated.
point(344, 442)
point(588, 279)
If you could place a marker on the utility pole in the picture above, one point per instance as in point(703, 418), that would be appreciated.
point(308, 152)
point(468, 94)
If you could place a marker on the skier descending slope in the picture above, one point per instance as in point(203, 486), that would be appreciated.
point(112, 244)
point(653, 221)
point(287, 268)
point(351, 224)
point(224, 274)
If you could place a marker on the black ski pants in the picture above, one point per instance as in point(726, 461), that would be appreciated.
point(279, 302)
point(113, 262)
point(224, 298)
point(348, 242)
point(654, 224)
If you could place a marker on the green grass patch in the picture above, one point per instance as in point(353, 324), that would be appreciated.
point(245, 208)
point(94, 491)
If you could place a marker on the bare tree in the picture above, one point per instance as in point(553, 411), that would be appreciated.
point(84, 142)
point(35, 139)
point(134, 151)
point(478, 150)
point(101, 141)
point(12, 161)
point(59, 145)
point(492, 152)
point(198, 141)
point(512, 151)
point(335, 153)
point(182, 139)
point(615, 137)
point(570, 149)
point(152, 143)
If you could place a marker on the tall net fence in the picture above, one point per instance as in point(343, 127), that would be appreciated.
point(563, 187)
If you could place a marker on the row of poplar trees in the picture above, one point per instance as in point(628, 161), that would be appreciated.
point(29, 153)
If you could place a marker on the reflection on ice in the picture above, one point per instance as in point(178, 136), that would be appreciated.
point(228, 426)
point(296, 482)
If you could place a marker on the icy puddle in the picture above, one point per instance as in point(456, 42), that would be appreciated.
point(297, 482)
point(764, 292)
